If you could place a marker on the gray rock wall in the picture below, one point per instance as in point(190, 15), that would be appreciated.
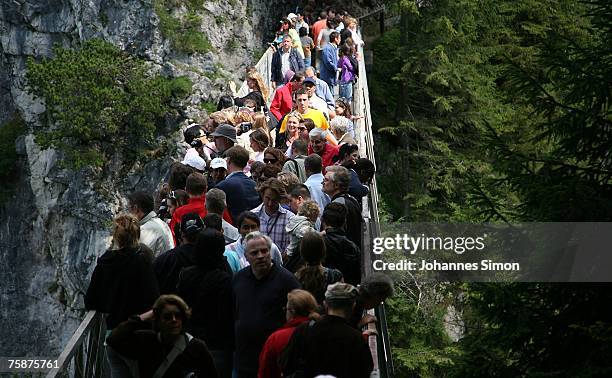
point(57, 222)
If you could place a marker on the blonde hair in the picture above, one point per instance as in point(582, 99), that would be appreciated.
point(126, 231)
point(289, 179)
point(309, 209)
point(243, 116)
point(302, 303)
point(259, 122)
point(254, 75)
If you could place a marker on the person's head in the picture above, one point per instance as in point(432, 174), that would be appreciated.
point(334, 215)
point(343, 108)
point(351, 23)
point(298, 196)
point(259, 140)
point(336, 180)
point(237, 158)
point(218, 169)
point(196, 185)
point(225, 102)
point(224, 136)
point(365, 170)
point(274, 156)
point(215, 201)
point(313, 164)
point(178, 176)
point(348, 152)
point(299, 147)
point(334, 37)
point(304, 129)
point(323, 15)
point(339, 126)
point(296, 81)
point(340, 299)
point(215, 119)
point(260, 123)
point(209, 247)
point(257, 170)
point(140, 203)
point(312, 248)
point(126, 231)
point(309, 209)
point(176, 199)
point(257, 251)
point(345, 50)
point(272, 192)
point(269, 171)
point(345, 35)
point(374, 289)
point(289, 180)
point(293, 122)
point(317, 140)
point(303, 31)
point(286, 44)
point(310, 72)
point(310, 85)
point(193, 132)
point(247, 222)
point(191, 225)
point(169, 313)
point(301, 99)
point(300, 303)
point(213, 221)
point(256, 82)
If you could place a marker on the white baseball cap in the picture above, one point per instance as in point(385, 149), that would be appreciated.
point(218, 163)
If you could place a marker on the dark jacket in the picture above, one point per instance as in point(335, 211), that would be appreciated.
point(240, 193)
point(342, 254)
point(209, 294)
point(356, 188)
point(255, 96)
point(122, 284)
point(329, 347)
point(169, 264)
point(259, 312)
point(136, 340)
point(354, 220)
point(296, 64)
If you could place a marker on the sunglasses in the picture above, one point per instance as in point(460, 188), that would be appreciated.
point(268, 161)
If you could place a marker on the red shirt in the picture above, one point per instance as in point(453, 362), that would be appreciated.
point(328, 153)
point(270, 353)
point(316, 29)
point(282, 102)
point(194, 205)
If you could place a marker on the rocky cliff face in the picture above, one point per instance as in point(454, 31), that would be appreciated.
point(56, 223)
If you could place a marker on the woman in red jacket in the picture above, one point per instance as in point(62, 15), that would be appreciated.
point(301, 307)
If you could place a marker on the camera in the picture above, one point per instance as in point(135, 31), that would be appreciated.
point(244, 127)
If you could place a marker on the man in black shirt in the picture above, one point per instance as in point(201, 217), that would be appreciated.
point(260, 293)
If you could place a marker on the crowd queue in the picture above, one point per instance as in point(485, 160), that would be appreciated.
point(247, 261)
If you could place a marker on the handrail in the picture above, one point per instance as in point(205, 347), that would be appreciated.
point(361, 105)
point(84, 355)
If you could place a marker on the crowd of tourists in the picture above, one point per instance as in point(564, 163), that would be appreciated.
point(247, 260)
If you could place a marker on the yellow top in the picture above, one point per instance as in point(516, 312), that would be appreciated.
point(315, 115)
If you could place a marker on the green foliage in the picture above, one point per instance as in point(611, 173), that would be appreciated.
point(210, 107)
point(8, 153)
point(503, 114)
point(101, 101)
point(537, 330)
point(184, 32)
point(419, 343)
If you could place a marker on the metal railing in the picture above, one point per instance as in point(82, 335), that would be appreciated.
point(84, 355)
point(380, 345)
